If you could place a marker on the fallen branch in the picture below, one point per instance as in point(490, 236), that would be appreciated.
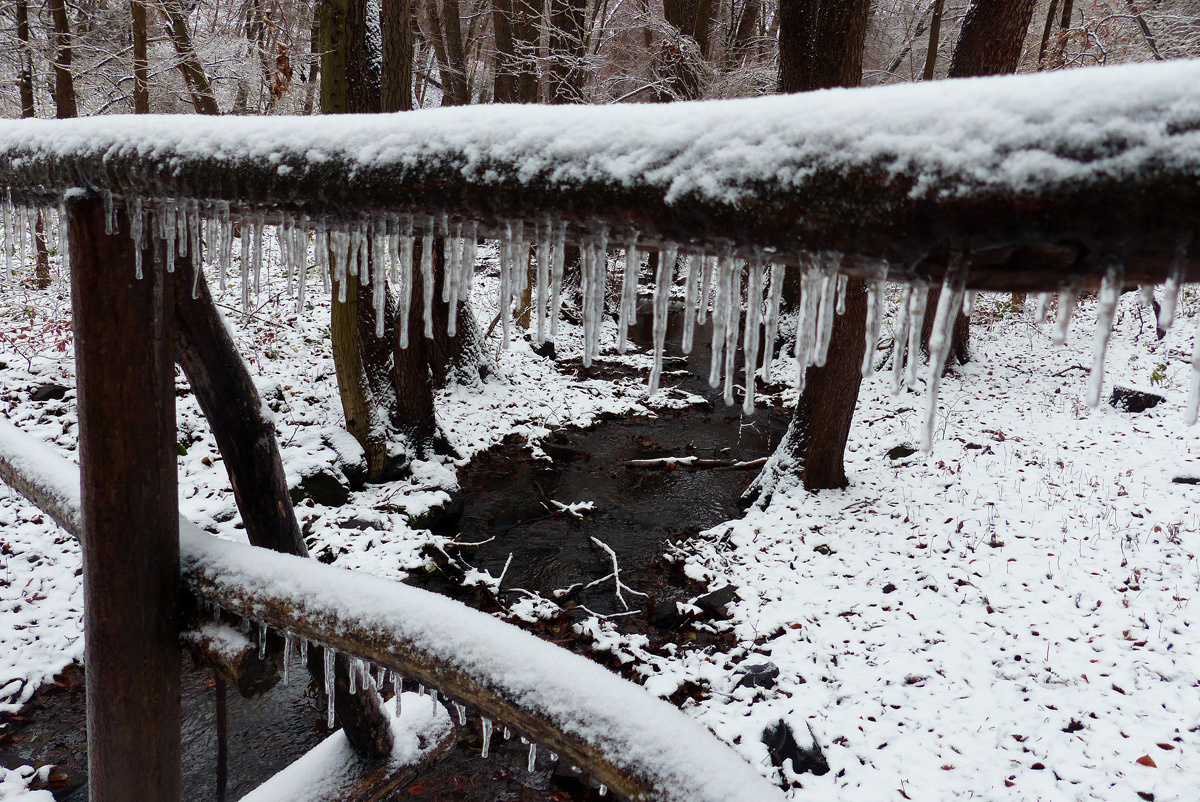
point(695, 463)
point(615, 576)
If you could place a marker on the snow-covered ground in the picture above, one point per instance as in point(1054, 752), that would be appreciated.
point(1005, 618)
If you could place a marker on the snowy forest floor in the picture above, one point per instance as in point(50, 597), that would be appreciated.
point(1005, 618)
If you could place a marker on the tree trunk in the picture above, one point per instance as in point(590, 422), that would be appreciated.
point(25, 57)
point(504, 57)
point(141, 63)
point(194, 76)
point(567, 73)
point(741, 44)
point(824, 42)
point(691, 18)
point(935, 33)
point(527, 39)
point(64, 82)
point(456, 60)
point(1051, 13)
point(991, 39)
point(396, 81)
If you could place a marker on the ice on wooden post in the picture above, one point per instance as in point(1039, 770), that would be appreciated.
point(916, 321)
point(531, 764)
point(806, 321)
point(874, 324)
point(262, 640)
point(397, 690)
point(379, 276)
point(842, 282)
point(406, 277)
point(900, 327)
point(330, 685)
point(461, 710)
point(289, 644)
point(167, 232)
point(628, 311)
point(353, 673)
point(825, 314)
point(754, 290)
point(138, 237)
point(949, 302)
point(110, 213)
point(1110, 293)
point(662, 299)
point(1066, 306)
point(771, 320)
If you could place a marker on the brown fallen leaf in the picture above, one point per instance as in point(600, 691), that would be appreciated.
point(1148, 761)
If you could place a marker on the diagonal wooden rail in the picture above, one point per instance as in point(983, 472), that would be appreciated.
point(636, 744)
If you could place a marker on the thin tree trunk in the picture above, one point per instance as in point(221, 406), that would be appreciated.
point(527, 38)
point(744, 33)
point(64, 82)
point(396, 85)
point(194, 75)
point(566, 74)
point(141, 64)
point(504, 58)
point(25, 58)
point(935, 33)
point(455, 75)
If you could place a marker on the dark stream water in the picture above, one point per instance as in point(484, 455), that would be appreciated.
point(505, 497)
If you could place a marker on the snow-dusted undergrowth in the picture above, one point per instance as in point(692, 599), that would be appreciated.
point(1007, 617)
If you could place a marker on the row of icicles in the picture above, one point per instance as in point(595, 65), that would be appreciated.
point(373, 678)
point(182, 227)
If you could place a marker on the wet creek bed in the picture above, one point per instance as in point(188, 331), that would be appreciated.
point(509, 526)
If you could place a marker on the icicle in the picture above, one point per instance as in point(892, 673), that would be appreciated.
point(597, 285)
point(353, 672)
point(531, 763)
point(724, 276)
point(330, 656)
point(169, 234)
point(321, 255)
point(379, 278)
point(135, 233)
point(629, 281)
point(543, 280)
point(1110, 293)
point(505, 300)
point(900, 328)
point(1170, 301)
point(916, 322)
point(304, 651)
point(1042, 308)
point(771, 319)
point(486, 726)
point(507, 733)
point(691, 288)
point(733, 309)
point(556, 275)
point(461, 710)
point(194, 233)
point(454, 271)
point(182, 235)
point(704, 290)
point(754, 291)
point(406, 277)
point(289, 645)
point(1066, 306)
point(22, 232)
point(873, 326)
point(1146, 294)
point(257, 256)
point(806, 322)
point(302, 264)
point(110, 213)
point(603, 790)
point(64, 241)
point(262, 640)
point(397, 690)
point(968, 303)
point(842, 282)
point(520, 263)
point(662, 299)
point(245, 266)
point(949, 302)
point(554, 757)
point(226, 240)
point(8, 229)
point(244, 626)
point(829, 286)
point(470, 238)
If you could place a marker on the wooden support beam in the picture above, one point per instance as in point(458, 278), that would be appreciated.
point(125, 371)
point(233, 657)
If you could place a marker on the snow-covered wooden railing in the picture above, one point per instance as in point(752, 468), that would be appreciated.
point(636, 744)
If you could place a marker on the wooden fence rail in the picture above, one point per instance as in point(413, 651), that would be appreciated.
point(636, 744)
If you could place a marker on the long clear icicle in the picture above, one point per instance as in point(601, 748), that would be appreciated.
point(916, 322)
point(806, 322)
point(691, 290)
point(733, 311)
point(470, 237)
point(771, 319)
point(597, 286)
point(330, 657)
point(543, 280)
point(379, 251)
point(708, 267)
point(486, 726)
point(556, 275)
point(662, 299)
point(257, 256)
point(628, 312)
point(397, 691)
point(1043, 307)
point(829, 304)
point(137, 235)
point(505, 300)
point(427, 277)
point(1110, 292)
point(900, 327)
point(406, 278)
point(531, 764)
point(949, 303)
point(754, 291)
point(874, 324)
point(724, 270)
point(1066, 307)
point(289, 645)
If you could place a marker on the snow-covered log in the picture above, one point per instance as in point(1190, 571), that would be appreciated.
point(633, 742)
point(1105, 160)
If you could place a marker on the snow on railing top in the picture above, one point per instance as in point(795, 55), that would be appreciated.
point(636, 743)
point(886, 173)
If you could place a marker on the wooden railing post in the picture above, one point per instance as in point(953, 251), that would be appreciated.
point(124, 353)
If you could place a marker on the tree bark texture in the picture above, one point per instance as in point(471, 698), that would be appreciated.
point(567, 73)
point(504, 56)
point(991, 38)
point(64, 81)
point(130, 514)
point(821, 43)
point(25, 59)
point(935, 33)
point(141, 63)
point(396, 82)
point(455, 74)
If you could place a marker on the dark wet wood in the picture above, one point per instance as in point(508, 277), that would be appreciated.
point(250, 675)
point(124, 353)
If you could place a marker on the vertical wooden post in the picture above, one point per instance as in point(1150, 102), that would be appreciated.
point(124, 356)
